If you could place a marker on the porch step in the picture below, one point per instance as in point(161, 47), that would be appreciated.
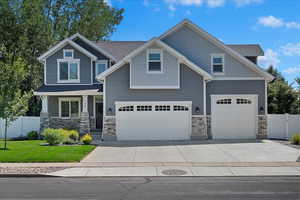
point(96, 134)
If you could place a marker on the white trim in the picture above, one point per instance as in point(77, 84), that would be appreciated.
point(94, 103)
point(266, 97)
point(66, 51)
point(73, 84)
point(70, 93)
point(101, 62)
point(120, 103)
point(45, 72)
point(204, 97)
point(149, 51)
point(238, 78)
point(44, 104)
point(62, 44)
point(69, 61)
point(219, 44)
point(104, 100)
point(154, 87)
point(93, 45)
point(69, 99)
point(232, 95)
point(127, 58)
point(92, 73)
point(217, 55)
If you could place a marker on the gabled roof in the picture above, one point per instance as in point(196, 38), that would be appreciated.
point(219, 44)
point(158, 42)
point(63, 43)
point(92, 44)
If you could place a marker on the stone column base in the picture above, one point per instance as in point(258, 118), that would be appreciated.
point(44, 121)
point(199, 128)
point(262, 128)
point(109, 128)
point(84, 123)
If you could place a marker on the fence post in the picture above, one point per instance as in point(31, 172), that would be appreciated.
point(287, 126)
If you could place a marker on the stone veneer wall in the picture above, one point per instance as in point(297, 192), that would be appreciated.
point(199, 128)
point(84, 123)
point(56, 122)
point(262, 128)
point(93, 123)
point(109, 128)
point(208, 124)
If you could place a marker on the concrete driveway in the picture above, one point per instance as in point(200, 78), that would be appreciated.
point(192, 152)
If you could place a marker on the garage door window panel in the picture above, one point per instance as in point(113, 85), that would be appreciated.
point(144, 108)
point(126, 108)
point(224, 101)
point(162, 108)
point(243, 101)
point(180, 108)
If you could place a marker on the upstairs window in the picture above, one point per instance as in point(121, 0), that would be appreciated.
point(101, 66)
point(68, 53)
point(154, 60)
point(68, 70)
point(217, 62)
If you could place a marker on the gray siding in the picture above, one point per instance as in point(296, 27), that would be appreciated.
point(117, 89)
point(53, 105)
point(198, 50)
point(85, 66)
point(99, 55)
point(236, 87)
point(140, 77)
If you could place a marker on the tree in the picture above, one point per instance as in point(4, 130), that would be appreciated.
point(13, 102)
point(29, 28)
point(282, 97)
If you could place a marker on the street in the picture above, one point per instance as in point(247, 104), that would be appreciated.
point(143, 188)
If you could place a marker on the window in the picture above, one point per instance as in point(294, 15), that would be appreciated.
point(126, 108)
point(68, 53)
point(68, 70)
point(217, 61)
point(69, 107)
point(154, 59)
point(101, 66)
point(224, 101)
point(243, 101)
point(144, 108)
point(162, 108)
point(180, 108)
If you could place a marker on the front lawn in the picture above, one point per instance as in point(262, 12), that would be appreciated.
point(32, 151)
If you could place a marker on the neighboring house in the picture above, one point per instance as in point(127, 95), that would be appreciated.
point(184, 84)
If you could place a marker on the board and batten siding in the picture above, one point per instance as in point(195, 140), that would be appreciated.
point(199, 50)
point(51, 66)
point(141, 78)
point(231, 87)
point(117, 89)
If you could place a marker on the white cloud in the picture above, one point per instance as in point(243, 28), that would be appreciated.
point(291, 49)
point(185, 2)
point(215, 3)
point(171, 7)
point(246, 2)
point(270, 58)
point(108, 2)
point(188, 12)
point(292, 70)
point(270, 21)
point(274, 22)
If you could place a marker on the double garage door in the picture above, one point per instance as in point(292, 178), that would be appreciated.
point(233, 116)
point(153, 120)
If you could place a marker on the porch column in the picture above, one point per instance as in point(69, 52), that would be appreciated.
point(44, 115)
point(84, 116)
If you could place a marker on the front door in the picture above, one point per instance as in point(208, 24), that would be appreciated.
point(99, 115)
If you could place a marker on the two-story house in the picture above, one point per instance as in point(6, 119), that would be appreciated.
point(185, 84)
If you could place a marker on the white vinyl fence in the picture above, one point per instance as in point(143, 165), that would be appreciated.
point(20, 127)
point(283, 126)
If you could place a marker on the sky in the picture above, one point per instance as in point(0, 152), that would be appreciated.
point(274, 24)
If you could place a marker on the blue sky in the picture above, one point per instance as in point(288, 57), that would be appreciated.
point(274, 24)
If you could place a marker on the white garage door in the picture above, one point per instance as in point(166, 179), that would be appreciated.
point(153, 120)
point(233, 116)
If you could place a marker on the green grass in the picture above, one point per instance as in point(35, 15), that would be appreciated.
point(32, 151)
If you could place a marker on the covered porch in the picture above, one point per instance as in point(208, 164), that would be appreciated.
point(77, 107)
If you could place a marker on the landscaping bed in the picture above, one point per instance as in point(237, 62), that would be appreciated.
point(33, 151)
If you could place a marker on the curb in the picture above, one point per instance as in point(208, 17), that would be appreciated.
point(25, 176)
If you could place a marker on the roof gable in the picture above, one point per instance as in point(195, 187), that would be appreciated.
point(62, 44)
point(154, 41)
point(220, 45)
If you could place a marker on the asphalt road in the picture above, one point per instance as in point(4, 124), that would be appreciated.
point(172, 188)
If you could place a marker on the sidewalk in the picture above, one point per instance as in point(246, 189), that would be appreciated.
point(176, 171)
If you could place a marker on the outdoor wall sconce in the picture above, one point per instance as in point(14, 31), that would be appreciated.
point(261, 109)
point(197, 109)
point(109, 110)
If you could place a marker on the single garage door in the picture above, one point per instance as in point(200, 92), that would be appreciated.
point(233, 116)
point(153, 120)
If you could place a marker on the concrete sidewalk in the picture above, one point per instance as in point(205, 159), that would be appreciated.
point(177, 171)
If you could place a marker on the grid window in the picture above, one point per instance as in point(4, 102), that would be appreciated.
point(224, 101)
point(180, 108)
point(243, 101)
point(144, 108)
point(162, 108)
point(126, 108)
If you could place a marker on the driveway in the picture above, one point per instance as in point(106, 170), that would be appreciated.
point(193, 152)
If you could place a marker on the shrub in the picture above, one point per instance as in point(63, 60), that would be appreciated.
point(53, 136)
point(19, 138)
point(33, 135)
point(86, 139)
point(74, 135)
point(295, 139)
